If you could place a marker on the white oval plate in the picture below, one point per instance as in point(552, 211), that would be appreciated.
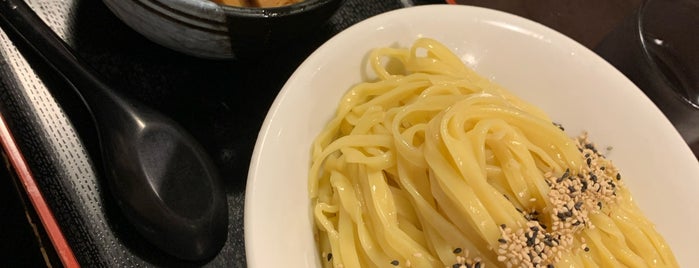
point(572, 84)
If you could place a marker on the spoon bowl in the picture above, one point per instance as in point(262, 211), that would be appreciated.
point(163, 180)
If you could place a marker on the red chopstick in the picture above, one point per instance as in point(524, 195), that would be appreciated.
point(37, 199)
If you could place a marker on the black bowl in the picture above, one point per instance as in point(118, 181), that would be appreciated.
point(205, 29)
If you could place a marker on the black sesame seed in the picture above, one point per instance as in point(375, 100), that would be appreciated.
point(549, 266)
point(599, 204)
point(548, 242)
point(477, 265)
point(593, 177)
point(559, 126)
point(602, 168)
point(578, 205)
point(502, 240)
point(530, 239)
point(566, 173)
point(589, 161)
point(618, 176)
point(534, 228)
point(590, 146)
point(571, 189)
point(543, 225)
point(503, 226)
point(457, 250)
point(584, 186)
point(330, 256)
point(532, 217)
point(395, 262)
point(587, 249)
point(456, 265)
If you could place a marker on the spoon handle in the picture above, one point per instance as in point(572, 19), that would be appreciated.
point(34, 33)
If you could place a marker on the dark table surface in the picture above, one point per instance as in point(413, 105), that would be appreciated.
point(221, 102)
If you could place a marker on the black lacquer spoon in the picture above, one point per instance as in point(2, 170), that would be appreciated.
point(162, 179)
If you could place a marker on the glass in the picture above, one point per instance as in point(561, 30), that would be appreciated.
point(657, 48)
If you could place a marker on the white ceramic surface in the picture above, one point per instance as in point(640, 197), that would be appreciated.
point(575, 86)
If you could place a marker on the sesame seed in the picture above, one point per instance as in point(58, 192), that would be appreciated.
point(460, 259)
point(330, 256)
point(395, 262)
point(534, 244)
point(590, 147)
point(559, 126)
point(457, 250)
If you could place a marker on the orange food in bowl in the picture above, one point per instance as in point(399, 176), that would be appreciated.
point(257, 3)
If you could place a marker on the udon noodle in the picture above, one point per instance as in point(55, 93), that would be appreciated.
point(432, 165)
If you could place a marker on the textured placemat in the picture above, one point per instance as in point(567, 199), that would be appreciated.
point(222, 103)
